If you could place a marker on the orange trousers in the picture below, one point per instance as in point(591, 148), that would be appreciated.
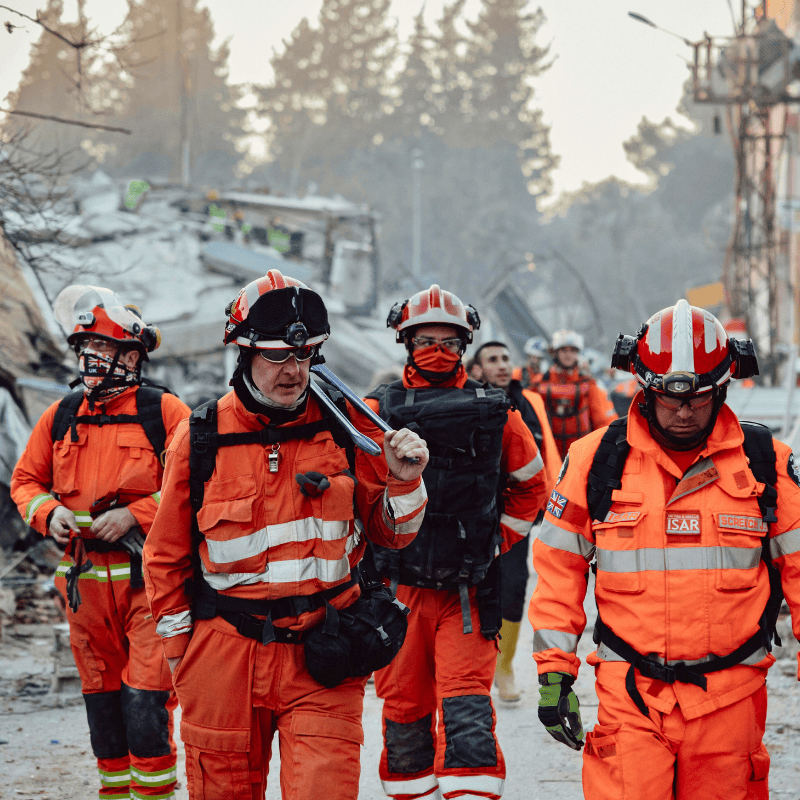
point(125, 680)
point(719, 756)
point(235, 693)
point(440, 672)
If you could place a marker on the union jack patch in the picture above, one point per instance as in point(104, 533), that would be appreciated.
point(556, 504)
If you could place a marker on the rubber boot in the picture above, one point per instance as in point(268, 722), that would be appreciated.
point(504, 674)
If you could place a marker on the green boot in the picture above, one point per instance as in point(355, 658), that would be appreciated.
point(504, 675)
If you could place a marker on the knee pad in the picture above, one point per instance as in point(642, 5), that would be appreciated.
point(468, 732)
point(106, 724)
point(409, 745)
point(146, 721)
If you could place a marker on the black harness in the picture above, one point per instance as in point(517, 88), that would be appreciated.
point(148, 415)
point(605, 475)
point(204, 442)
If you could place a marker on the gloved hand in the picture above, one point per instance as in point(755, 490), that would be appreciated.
point(559, 710)
point(312, 484)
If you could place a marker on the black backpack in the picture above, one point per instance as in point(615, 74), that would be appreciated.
point(148, 415)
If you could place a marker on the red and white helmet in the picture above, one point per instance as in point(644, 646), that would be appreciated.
point(433, 306)
point(684, 350)
point(94, 312)
point(276, 311)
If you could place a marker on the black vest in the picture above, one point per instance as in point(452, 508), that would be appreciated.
point(523, 405)
point(460, 532)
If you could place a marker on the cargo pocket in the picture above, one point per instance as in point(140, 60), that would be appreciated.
point(217, 763)
point(90, 666)
point(602, 764)
point(739, 552)
point(139, 464)
point(65, 464)
point(759, 770)
point(226, 517)
point(619, 563)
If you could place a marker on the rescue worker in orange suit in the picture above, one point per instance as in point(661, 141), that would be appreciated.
point(494, 360)
point(448, 575)
point(575, 404)
point(275, 549)
point(90, 477)
point(673, 505)
point(536, 350)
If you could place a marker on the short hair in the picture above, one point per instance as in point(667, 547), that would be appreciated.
point(477, 356)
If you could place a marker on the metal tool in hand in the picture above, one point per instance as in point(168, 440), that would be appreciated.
point(361, 441)
point(355, 400)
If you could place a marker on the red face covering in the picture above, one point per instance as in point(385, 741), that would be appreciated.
point(433, 359)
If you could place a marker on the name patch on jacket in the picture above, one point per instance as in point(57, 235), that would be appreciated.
point(685, 523)
point(739, 522)
point(556, 504)
point(622, 516)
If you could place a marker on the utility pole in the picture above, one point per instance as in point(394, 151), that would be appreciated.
point(416, 213)
point(185, 145)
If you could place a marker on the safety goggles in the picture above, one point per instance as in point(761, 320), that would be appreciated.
point(104, 346)
point(279, 355)
point(453, 345)
point(676, 403)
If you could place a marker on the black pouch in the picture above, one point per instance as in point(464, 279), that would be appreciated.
point(359, 639)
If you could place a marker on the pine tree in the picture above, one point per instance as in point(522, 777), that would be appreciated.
point(330, 89)
point(178, 97)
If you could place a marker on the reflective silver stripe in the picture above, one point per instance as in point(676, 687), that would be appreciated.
point(158, 778)
point(174, 624)
point(607, 654)
point(403, 505)
point(566, 642)
point(290, 571)
point(654, 559)
point(521, 526)
point(299, 530)
point(785, 544)
point(528, 471)
point(558, 538)
point(35, 504)
point(411, 525)
point(414, 786)
point(483, 784)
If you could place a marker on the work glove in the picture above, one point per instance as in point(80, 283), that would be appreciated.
point(132, 541)
point(78, 567)
point(312, 484)
point(559, 710)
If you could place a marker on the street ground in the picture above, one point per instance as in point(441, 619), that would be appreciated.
point(45, 752)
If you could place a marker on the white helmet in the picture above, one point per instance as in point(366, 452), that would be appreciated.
point(566, 338)
point(535, 346)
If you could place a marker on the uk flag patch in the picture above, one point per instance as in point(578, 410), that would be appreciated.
point(556, 504)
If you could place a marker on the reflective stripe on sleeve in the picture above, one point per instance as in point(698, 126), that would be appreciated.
point(407, 505)
point(654, 559)
point(174, 624)
point(410, 526)
point(785, 544)
point(560, 539)
point(157, 497)
point(289, 571)
point(34, 505)
point(300, 530)
point(528, 471)
point(544, 640)
point(521, 526)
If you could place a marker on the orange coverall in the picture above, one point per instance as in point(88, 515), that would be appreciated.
point(263, 540)
point(442, 671)
point(575, 405)
point(124, 677)
point(679, 577)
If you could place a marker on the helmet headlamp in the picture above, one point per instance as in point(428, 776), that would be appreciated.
point(85, 318)
point(297, 334)
point(679, 383)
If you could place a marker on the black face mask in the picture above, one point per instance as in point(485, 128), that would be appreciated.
point(680, 443)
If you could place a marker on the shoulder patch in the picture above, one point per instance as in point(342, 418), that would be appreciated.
point(792, 470)
point(564, 466)
point(556, 504)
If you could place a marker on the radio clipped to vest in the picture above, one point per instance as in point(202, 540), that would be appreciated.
point(460, 534)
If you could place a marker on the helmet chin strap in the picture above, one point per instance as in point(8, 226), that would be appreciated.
point(680, 443)
point(112, 381)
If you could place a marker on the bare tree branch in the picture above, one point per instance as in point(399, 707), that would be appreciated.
point(66, 121)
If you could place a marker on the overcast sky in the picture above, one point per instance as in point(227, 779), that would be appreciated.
point(610, 71)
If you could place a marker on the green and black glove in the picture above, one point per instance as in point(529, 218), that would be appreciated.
point(559, 710)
